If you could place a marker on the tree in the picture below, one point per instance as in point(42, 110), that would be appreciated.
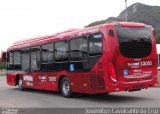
point(157, 37)
point(1, 65)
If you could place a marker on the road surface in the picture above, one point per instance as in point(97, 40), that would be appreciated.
point(13, 98)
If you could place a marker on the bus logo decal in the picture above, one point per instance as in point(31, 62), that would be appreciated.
point(28, 78)
point(125, 72)
point(71, 67)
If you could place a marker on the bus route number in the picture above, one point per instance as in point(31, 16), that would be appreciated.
point(146, 63)
point(52, 79)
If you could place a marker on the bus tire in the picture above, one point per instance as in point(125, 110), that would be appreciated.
point(65, 88)
point(20, 84)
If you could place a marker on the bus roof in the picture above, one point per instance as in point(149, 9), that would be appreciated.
point(131, 24)
point(66, 34)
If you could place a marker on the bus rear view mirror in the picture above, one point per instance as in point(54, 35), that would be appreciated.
point(111, 33)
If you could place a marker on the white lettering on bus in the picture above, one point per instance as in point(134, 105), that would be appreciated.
point(141, 63)
point(146, 63)
point(42, 77)
point(28, 78)
point(52, 79)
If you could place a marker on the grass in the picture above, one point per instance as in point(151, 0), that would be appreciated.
point(2, 72)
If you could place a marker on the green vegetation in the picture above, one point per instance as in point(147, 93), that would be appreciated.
point(157, 35)
point(2, 70)
point(1, 65)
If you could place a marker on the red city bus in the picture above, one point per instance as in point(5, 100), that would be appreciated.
point(112, 57)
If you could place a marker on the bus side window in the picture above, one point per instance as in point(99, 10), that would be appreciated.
point(10, 61)
point(25, 59)
point(35, 58)
point(47, 53)
point(78, 49)
point(95, 44)
point(17, 60)
point(47, 57)
point(61, 51)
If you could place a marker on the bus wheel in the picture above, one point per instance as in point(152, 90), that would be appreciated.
point(20, 85)
point(65, 88)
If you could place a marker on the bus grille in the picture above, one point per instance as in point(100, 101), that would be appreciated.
point(136, 50)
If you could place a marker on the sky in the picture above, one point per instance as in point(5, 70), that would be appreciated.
point(21, 19)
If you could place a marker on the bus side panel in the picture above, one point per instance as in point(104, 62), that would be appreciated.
point(42, 81)
point(30, 79)
point(79, 82)
point(51, 82)
point(92, 82)
point(11, 79)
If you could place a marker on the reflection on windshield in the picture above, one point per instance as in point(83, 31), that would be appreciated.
point(126, 34)
point(134, 42)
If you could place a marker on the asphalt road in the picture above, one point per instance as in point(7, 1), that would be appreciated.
point(13, 98)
